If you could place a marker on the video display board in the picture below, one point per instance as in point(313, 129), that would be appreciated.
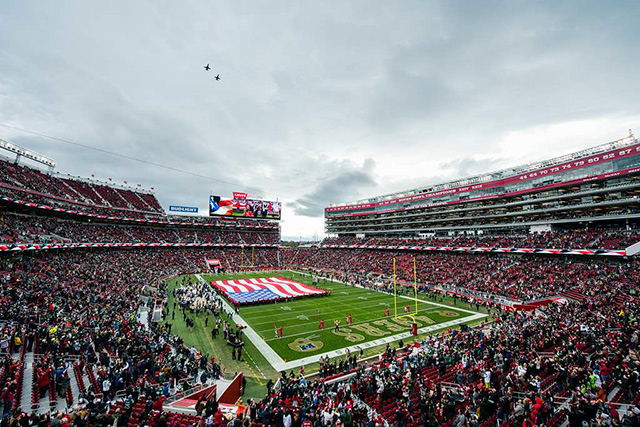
point(242, 206)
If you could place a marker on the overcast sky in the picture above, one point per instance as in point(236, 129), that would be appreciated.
point(320, 102)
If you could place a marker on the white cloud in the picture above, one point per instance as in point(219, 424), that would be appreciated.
point(428, 90)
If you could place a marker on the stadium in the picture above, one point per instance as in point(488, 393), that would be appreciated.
point(319, 214)
point(529, 273)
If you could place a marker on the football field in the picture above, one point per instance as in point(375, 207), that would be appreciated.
point(303, 342)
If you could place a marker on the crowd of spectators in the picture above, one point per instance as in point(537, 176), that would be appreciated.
point(38, 229)
point(79, 312)
point(75, 190)
point(575, 362)
point(518, 277)
point(594, 238)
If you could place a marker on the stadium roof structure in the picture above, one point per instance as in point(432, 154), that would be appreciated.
point(26, 153)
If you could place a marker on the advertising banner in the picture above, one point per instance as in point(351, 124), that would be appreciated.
point(183, 209)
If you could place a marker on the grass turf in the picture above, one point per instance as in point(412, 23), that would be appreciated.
point(256, 368)
point(299, 317)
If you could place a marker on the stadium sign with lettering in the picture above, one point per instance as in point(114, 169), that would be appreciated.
point(183, 209)
point(240, 196)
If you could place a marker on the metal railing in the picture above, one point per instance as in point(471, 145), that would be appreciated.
point(185, 393)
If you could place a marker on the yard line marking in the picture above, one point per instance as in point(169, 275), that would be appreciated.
point(280, 365)
point(327, 315)
point(375, 343)
point(375, 319)
point(331, 304)
point(354, 307)
point(402, 296)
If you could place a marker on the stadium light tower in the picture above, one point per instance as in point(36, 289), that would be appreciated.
point(31, 155)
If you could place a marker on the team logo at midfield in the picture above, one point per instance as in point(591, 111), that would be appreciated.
point(306, 344)
point(448, 313)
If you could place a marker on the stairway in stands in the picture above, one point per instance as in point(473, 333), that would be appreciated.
point(30, 400)
point(25, 401)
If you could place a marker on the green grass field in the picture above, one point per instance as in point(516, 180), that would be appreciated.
point(299, 318)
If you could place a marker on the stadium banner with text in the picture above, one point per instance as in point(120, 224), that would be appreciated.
point(183, 209)
point(241, 206)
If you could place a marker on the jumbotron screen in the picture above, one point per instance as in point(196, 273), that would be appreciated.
point(242, 206)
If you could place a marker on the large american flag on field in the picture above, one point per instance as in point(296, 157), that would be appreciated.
point(265, 289)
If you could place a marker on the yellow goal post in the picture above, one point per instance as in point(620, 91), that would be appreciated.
point(244, 258)
point(415, 292)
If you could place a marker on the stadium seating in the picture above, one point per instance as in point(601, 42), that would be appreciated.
point(74, 346)
point(516, 277)
point(108, 301)
point(595, 238)
point(522, 371)
point(34, 229)
point(442, 381)
point(31, 182)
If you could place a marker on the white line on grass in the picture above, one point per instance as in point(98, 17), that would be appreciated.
point(355, 296)
point(280, 365)
point(375, 319)
point(409, 298)
point(375, 343)
point(246, 353)
point(314, 310)
point(258, 325)
point(372, 319)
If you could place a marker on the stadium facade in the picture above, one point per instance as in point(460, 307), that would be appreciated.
point(599, 185)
